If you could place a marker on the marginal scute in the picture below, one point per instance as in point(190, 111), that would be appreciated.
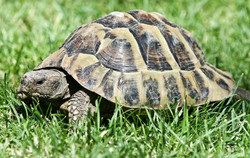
point(201, 84)
point(173, 91)
point(224, 74)
point(139, 58)
point(107, 84)
point(221, 78)
point(84, 75)
point(129, 90)
point(208, 73)
point(223, 84)
point(191, 90)
point(106, 77)
point(152, 93)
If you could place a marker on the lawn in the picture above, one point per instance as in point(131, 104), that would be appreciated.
point(31, 30)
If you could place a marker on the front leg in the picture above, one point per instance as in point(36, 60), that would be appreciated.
point(78, 106)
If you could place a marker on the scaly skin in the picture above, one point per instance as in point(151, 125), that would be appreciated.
point(79, 104)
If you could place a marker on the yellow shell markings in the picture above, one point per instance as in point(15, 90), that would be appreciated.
point(153, 81)
point(141, 82)
point(179, 32)
point(223, 73)
point(196, 48)
point(107, 58)
point(225, 84)
point(191, 92)
point(52, 60)
point(166, 51)
point(123, 33)
point(190, 53)
point(212, 86)
point(74, 66)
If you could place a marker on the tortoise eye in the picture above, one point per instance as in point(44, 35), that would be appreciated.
point(40, 81)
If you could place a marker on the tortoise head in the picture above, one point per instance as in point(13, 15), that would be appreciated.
point(45, 85)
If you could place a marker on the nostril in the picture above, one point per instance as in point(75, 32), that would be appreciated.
point(24, 81)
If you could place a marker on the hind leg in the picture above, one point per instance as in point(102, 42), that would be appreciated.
point(79, 105)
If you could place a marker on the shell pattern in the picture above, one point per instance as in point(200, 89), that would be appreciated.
point(139, 58)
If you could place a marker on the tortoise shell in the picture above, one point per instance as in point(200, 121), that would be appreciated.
point(139, 58)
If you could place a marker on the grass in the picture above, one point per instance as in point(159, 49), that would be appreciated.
point(31, 30)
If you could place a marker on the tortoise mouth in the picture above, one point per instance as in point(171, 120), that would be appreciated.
point(22, 95)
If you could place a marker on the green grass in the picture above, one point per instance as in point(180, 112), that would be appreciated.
point(31, 30)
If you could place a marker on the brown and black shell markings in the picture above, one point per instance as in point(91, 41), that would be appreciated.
point(140, 58)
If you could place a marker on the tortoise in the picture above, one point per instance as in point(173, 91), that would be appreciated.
point(135, 58)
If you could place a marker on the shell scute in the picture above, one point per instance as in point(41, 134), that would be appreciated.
point(152, 92)
point(85, 40)
point(204, 90)
point(191, 89)
point(107, 85)
point(129, 89)
point(173, 92)
point(85, 75)
point(194, 46)
point(122, 60)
